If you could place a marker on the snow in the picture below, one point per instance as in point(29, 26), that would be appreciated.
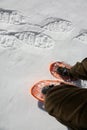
point(34, 34)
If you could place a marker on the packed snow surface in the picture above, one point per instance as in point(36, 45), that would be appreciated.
point(33, 34)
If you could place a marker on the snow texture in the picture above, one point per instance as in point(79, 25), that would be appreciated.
point(34, 34)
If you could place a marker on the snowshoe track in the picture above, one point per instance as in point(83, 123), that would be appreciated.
point(57, 25)
point(34, 39)
point(82, 36)
point(12, 17)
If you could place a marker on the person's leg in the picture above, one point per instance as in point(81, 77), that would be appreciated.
point(68, 104)
point(79, 70)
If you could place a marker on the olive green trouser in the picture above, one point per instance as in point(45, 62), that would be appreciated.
point(68, 103)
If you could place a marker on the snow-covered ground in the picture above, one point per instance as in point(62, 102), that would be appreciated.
point(34, 34)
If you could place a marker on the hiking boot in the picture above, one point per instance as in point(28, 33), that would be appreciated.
point(63, 71)
point(46, 89)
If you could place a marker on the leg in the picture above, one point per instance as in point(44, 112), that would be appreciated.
point(79, 70)
point(68, 104)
